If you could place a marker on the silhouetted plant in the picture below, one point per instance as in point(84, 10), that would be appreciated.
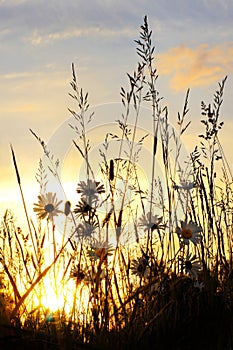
point(173, 286)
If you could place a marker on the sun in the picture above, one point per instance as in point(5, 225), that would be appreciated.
point(51, 299)
point(64, 298)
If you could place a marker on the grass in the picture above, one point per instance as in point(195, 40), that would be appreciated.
point(137, 267)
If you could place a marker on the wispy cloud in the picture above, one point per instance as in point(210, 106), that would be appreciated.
point(38, 38)
point(200, 66)
point(17, 75)
point(12, 2)
point(49, 73)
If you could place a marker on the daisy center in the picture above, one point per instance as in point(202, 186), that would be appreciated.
point(91, 192)
point(49, 208)
point(187, 233)
point(188, 265)
point(140, 268)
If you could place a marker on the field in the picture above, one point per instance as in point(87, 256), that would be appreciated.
point(138, 265)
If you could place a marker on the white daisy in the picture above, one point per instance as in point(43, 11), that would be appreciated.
point(47, 206)
point(151, 222)
point(77, 274)
point(191, 265)
point(90, 190)
point(189, 232)
point(85, 230)
point(139, 267)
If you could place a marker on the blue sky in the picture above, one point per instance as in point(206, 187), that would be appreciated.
point(40, 39)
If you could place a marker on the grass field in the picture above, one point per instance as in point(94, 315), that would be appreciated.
point(136, 266)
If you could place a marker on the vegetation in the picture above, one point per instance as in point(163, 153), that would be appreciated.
point(135, 267)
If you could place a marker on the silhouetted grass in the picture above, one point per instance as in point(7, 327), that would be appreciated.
point(172, 288)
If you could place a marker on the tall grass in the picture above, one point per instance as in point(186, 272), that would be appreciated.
point(171, 286)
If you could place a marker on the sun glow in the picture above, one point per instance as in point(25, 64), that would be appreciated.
point(52, 298)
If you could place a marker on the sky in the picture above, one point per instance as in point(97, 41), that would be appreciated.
point(39, 40)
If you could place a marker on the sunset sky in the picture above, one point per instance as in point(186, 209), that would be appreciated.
point(40, 39)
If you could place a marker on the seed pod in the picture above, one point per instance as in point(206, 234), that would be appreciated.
point(111, 170)
point(67, 208)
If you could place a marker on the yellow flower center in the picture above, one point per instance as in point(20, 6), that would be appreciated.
point(187, 233)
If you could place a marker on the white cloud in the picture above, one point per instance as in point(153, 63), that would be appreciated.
point(38, 38)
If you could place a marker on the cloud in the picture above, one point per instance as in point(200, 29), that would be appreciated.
point(49, 74)
point(190, 67)
point(18, 75)
point(12, 2)
point(37, 38)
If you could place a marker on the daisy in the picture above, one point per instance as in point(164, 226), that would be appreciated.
point(77, 274)
point(139, 267)
point(82, 208)
point(100, 250)
point(191, 265)
point(189, 232)
point(151, 222)
point(47, 206)
point(90, 190)
point(85, 230)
